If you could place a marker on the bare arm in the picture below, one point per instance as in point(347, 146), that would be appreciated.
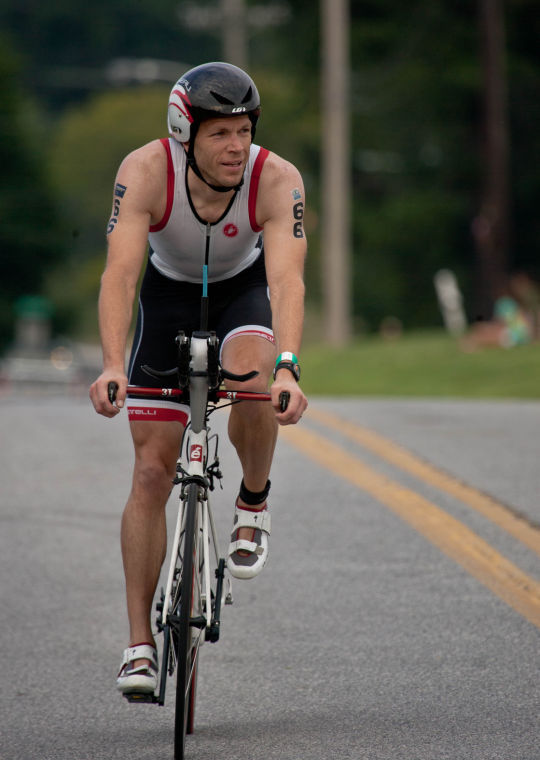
point(136, 196)
point(282, 210)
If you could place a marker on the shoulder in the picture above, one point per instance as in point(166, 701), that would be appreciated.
point(150, 159)
point(143, 174)
point(280, 183)
point(277, 169)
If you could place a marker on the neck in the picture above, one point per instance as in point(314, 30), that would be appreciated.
point(209, 204)
point(203, 188)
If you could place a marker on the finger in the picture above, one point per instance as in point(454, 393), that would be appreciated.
point(292, 414)
point(107, 408)
point(116, 394)
point(100, 395)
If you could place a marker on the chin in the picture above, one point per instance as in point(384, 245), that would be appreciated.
point(231, 181)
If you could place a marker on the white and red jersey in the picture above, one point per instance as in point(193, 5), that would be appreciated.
point(178, 241)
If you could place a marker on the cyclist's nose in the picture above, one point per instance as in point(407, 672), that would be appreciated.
point(235, 144)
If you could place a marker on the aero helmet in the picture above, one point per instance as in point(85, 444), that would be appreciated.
point(211, 90)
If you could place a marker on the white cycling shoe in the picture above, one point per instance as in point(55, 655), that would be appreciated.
point(246, 558)
point(143, 678)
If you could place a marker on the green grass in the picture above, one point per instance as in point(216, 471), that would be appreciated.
point(421, 364)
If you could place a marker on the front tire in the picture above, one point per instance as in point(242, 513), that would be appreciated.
point(186, 637)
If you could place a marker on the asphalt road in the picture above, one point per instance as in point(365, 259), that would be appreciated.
point(364, 638)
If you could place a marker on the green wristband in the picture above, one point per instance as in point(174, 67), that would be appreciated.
point(286, 356)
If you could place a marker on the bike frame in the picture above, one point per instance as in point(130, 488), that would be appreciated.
point(196, 455)
point(194, 466)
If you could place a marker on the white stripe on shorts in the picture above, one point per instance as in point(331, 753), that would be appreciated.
point(257, 330)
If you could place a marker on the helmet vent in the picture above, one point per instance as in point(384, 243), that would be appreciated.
point(248, 95)
point(221, 99)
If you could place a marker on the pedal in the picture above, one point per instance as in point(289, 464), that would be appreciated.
point(228, 594)
point(212, 633)
point(141, 696)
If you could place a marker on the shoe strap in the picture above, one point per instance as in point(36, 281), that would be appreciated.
point(245, 546)
point(244, 518)
point(140, 652)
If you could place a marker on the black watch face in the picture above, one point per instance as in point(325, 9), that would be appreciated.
point(294, 368)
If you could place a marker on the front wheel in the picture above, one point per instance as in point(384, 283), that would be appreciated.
point(186, 623)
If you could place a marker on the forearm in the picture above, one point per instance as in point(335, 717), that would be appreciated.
point(288, 316)
point(287, 301)
point(115, 312)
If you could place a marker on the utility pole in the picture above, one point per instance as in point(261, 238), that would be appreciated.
point(233, 22)
point(234, 32)
point(490, 228)
point(336, 161)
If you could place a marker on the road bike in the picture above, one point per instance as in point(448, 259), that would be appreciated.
point(189, 609)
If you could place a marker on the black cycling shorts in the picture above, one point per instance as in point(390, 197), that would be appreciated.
point(237, 306)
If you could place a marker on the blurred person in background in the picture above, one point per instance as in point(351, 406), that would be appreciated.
point(516, 317)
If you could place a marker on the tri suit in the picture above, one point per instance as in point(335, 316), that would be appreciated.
point(170, 295)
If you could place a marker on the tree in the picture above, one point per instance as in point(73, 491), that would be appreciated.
point(416, 97)
point(29, 238)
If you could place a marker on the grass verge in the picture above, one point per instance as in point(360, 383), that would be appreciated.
point(421, 364)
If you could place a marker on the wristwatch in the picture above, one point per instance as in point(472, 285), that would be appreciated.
point(288, 360)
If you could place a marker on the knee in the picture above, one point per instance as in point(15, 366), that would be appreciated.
point(258, 384)
point(245, 354)
point(153, 475)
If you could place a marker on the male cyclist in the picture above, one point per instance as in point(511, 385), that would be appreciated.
point(206, 196)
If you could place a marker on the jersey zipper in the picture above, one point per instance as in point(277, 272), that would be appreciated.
point(204, 299)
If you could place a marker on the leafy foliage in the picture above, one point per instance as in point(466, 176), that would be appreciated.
point(416, 103)
point(87, 148)
point(29, 237)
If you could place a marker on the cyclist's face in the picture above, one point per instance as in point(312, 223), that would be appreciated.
point(222, 149)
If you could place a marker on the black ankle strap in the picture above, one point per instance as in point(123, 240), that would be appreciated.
point(252, 498)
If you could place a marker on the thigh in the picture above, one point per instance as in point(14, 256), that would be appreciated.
point(165, 307)
point(248, 313)
point(246, 337)
point(245, 352)
point(242, 305)
point(157, 445)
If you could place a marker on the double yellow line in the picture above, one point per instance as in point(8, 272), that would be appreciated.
point(455, 539)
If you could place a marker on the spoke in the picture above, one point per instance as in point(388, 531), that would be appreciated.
point(194, 658)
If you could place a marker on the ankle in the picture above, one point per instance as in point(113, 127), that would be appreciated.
point(250, 508)
point(252, 500)
point(143, 642)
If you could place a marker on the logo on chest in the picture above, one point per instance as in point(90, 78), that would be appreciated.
point(230, 230)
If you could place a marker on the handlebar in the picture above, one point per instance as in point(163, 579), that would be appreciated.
point(192, 367)
point(179, 393)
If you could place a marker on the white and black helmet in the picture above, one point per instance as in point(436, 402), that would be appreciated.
point(209, 91)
